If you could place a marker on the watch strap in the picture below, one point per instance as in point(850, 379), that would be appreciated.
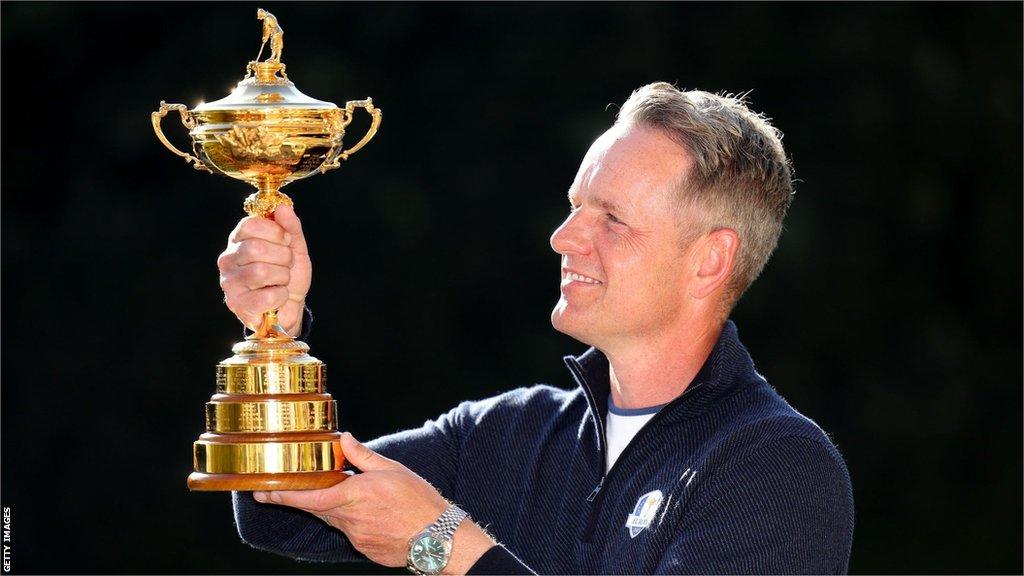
point(448, 522)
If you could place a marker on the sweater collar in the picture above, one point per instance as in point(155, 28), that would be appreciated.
point(724, 369)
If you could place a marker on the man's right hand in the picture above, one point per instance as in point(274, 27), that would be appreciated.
point(266, 266)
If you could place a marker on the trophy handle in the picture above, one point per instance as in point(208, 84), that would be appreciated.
point(349, 111)
point(187, 120)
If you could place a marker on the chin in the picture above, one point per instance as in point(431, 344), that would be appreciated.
point(564, 321)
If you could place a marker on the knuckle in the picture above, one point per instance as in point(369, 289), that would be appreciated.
point(258, 271)
point(253, 249)
point(241, 229)
point(251, 223)
point(225, 260)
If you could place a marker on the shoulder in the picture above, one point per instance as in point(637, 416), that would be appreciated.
point(540, 401)
point(530, 411)
point(757, 418)
point(761, 440)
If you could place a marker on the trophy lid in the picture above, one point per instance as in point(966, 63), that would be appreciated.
point(263, 88)
point(265, 84)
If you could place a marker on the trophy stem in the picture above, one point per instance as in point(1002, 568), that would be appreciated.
point(270, 328)
point(269, 197)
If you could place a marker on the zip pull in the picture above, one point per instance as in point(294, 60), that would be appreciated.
point(596, 490)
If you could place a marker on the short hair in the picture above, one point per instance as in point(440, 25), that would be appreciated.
point(741, 177)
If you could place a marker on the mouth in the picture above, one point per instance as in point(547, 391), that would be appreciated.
point(570, 277)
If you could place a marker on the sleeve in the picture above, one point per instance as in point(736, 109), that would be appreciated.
point(499, 560)
point(785, 508)
point(432, 451)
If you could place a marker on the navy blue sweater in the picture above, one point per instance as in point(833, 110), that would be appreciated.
point(747, 484)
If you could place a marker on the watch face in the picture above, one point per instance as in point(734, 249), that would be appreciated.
point(429, 554)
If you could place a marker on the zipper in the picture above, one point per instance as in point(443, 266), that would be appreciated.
point(596, 497)
point(596, 490)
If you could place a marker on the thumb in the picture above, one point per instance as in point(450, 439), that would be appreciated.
point(285, 217)
point(363, 457)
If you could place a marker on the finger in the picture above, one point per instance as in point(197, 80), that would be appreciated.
point(362, 457)
point(249, 305)
point(317, 502)
point(259, 250)
point(257, 227)
point(261, 275)
point(285, 216)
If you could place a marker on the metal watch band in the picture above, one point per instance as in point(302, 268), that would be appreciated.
point(448, 522)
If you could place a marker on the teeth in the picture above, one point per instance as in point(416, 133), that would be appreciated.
point(578, 278)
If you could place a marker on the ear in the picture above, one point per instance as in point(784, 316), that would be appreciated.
point(716, 257)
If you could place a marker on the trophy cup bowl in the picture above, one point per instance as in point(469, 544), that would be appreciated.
point(267, 133)
point(270, 425)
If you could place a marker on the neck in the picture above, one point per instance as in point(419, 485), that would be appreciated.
point(660, 368)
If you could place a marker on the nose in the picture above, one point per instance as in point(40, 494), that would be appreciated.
point(571, 236)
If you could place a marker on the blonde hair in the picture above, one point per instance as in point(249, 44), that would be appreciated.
point(740, 179)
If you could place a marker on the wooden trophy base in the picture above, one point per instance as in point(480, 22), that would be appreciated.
point(200, 482)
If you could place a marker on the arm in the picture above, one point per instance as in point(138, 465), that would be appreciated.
point(430, 451)
point(785, 508)
point(266, 265)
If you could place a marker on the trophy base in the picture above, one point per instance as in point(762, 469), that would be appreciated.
point(201, 482)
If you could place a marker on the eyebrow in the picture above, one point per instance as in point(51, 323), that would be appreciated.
point(602, 202)
point(609, 206)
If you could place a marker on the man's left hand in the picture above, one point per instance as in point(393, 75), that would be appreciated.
point(381, 509)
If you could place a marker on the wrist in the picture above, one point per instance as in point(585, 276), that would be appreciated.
point(468, 544)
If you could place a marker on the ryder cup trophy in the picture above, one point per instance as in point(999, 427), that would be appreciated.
point(270, 425)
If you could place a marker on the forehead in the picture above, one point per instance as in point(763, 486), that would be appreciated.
point(630, 164)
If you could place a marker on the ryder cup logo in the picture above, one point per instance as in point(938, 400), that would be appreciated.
point(644, 511)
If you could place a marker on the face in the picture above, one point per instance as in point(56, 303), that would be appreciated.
point(624, 269)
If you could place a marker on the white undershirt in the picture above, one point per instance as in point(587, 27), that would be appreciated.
point(622, 426)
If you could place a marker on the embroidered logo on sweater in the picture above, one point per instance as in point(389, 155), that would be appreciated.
point(643, 513)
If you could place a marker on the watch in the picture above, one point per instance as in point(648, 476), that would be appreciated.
point(430, 550)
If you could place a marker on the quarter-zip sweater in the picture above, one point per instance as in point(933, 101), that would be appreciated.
point(744, 483)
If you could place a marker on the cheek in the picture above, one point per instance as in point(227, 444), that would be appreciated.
point(621, 264)
point(643, 279)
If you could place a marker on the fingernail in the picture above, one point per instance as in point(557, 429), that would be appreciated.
point(259, 496)
point(275, 497)
point(287, 239)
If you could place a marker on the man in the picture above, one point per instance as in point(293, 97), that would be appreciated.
point(271, 31)
point(673, 456)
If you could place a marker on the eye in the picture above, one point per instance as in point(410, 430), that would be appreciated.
point(611, 218)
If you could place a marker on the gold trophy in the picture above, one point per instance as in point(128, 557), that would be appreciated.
point(271, 425)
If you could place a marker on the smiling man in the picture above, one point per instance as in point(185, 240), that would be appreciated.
point(672, 456)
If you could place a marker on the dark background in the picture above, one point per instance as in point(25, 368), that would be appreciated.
point(890, 314)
